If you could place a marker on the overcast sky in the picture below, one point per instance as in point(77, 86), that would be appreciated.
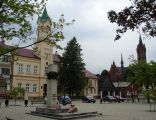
point(96, 34)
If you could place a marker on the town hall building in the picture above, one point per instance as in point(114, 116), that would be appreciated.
point(28, 68)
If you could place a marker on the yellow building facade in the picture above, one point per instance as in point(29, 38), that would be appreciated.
point(91, 89)
point(29, 67)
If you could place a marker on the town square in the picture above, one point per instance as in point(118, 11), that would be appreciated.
point(96, 61)
point(110, 111)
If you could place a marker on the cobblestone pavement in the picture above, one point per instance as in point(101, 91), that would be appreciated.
point(110, 111)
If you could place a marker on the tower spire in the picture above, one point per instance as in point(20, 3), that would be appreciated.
point(122, 63)
point(141, 50)
point(44, 17)
point(140, 40)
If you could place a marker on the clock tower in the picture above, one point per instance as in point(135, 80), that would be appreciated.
point(44, 50)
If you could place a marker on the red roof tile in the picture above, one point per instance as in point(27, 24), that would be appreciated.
point(26, 53)
point(56, 58)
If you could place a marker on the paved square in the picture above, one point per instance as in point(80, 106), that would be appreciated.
point(110, 111)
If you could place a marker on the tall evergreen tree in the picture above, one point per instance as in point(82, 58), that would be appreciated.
point(72, 77)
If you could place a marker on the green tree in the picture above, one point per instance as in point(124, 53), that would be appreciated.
point(151, 93)
point(153, 73)
point(140, 15)
point(14, 93)
point(21, 92)
point(71, 76)
point(16, 17)
point(17, 92)
point(140, 74)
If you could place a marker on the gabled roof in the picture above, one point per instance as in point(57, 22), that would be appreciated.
point(89, 74)
point(26, 53)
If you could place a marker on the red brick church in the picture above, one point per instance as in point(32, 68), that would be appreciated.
point(123, 88)
point(118, 78)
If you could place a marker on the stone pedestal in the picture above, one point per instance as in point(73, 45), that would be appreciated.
point(51, 93)
point(51, 111)
point(52, 86)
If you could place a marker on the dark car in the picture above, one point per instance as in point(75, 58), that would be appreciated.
point(65, 100)
point(109, 99)
point(119, 98)
point(88, 99)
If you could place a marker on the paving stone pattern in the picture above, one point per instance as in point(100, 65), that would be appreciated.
point(110, 111)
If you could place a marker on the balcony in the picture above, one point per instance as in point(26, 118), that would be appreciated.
point(5, 63)
point(5, 76)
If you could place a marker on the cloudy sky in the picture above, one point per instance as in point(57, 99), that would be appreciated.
point(96, 34)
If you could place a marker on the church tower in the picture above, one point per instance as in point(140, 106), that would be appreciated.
point(141, 51)
point(114, 73)
point(44, 50)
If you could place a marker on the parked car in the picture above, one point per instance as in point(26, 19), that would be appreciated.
point(65, 100)
point(119, 98)
point(109, 99)
point(88, 99)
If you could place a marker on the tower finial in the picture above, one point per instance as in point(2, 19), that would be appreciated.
point(122, 62)
point(140, 39)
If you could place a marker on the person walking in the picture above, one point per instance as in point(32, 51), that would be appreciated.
point(26, 100)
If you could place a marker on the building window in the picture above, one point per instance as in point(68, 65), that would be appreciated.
point(46, 69)
point(46, 55)
point(27, 87)
point(94, 90)
point(91, 90)
point(19, 85)
point(5, 71)
point(5, 58)
point(34, 87)
point(35, 69)
point(20, 68)
point(28, 69)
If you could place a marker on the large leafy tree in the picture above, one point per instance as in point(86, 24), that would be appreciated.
point(71, 77)
point(143, 75)
point(16, 18)
point(140, 15)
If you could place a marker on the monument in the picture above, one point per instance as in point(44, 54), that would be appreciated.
point(51, 110)
point(52, 75)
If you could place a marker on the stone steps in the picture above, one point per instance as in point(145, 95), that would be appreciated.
point(65, 116)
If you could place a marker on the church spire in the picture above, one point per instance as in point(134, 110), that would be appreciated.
point(122, 63)
point(140, 40)
point(141, 50)
point(44, 17)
